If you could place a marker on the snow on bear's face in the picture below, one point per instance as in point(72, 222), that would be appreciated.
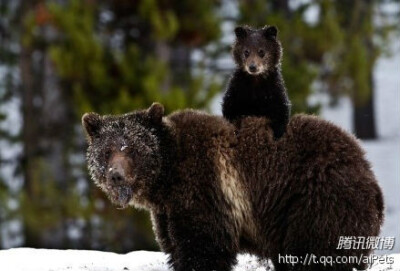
point(123, 154)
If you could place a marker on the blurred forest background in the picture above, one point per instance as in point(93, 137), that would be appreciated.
point(61, 58)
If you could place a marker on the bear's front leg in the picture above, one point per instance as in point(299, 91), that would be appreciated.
point(161, 231)
point(201, 245)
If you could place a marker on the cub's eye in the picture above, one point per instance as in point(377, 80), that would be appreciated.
point(246, 53)
point(261, 53)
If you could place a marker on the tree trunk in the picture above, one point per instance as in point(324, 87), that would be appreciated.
point(364, 115)
point(281, 6)
point(181, 63)
point(28, 136)
point(29, 128)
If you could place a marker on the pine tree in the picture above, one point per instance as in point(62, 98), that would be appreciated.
point(363, 42)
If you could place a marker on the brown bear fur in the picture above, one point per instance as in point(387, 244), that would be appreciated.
point(215, 189)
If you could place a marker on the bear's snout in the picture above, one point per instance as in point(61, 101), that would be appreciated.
point(252, 67)
point(116, 178)
point(118, 170)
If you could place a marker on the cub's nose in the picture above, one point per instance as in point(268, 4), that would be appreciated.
point(252, 68)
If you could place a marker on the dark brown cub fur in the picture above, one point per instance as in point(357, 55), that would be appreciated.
point(256, 87)
point(213, 194)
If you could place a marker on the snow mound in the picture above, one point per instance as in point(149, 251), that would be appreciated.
point(24, 259)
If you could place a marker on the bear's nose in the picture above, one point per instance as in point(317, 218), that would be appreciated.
point(116, 177)
point(253, 68)
point(118, 170)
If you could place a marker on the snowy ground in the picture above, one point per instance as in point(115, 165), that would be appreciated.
point(27, 259)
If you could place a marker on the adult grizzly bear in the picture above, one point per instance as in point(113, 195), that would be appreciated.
point(214, 191)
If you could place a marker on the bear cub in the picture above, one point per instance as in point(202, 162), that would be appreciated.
point(256, 87)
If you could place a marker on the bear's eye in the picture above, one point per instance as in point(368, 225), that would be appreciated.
point(246, 53)
point(261, 53)
point(107, 154)
point(134, 153)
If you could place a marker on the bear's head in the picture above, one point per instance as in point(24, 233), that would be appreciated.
point(257, 51)
point(124, 154)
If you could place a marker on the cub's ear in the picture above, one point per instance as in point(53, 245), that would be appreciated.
point(156, 112)
point(91, 123)
point(270, 31)
point(241, 32)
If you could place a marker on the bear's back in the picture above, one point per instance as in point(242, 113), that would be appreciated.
point(201, 131)
point(308, 142)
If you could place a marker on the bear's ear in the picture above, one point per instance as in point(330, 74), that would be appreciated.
point(91, 123)
point(270, 31)
point(241, 32)
point(156, 112)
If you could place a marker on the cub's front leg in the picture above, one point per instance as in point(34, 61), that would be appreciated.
point(200, 245)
